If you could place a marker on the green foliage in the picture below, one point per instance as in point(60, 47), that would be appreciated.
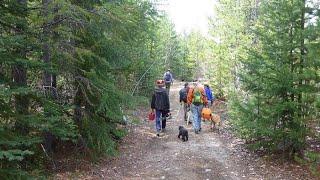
point(68, 68)
point(312, 159)
point(194, 60)
point(13, 174)
point(24, 109)
point(98, 136)
point(166, 49)
point(230, 31)
point(275, 102)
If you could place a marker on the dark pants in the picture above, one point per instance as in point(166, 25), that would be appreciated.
point(168, 84)
point(185, 110)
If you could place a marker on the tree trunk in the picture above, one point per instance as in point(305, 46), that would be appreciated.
point(77, 110)
point(19, 76)
point(302, 55)
point(49, 80)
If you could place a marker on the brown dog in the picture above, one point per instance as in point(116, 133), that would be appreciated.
point(215, 121)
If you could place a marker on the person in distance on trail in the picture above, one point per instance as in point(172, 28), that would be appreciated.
point(160, 105)
point(209, 94)
point(197, 99)
point(183, 94)
point(167, 77)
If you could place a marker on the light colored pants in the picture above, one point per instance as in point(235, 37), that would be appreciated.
point(196, 111)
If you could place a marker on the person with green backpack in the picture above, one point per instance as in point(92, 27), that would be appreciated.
point(196, 100)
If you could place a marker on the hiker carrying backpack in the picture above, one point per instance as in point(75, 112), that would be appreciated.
point(196, 100)
point(209, 94)
point(167, 77)
point(197, 97)
point(183, 93)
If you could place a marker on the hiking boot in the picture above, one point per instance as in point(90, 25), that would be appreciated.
point(197, 131)
point(163, 130)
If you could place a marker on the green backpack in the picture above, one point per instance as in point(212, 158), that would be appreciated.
point(197, 96)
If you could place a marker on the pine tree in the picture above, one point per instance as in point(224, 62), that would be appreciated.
point(231, 35)
point(64, 56)
point(277, 109)
point(68, 71)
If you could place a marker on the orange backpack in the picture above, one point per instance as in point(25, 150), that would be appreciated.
point(206, 113)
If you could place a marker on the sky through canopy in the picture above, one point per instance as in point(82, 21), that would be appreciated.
point(190, 14)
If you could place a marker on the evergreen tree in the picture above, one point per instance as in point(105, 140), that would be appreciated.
point(231, 35)
point(279, 77)
point(66, 69)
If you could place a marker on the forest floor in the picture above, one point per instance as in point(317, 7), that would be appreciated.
point(208, 155)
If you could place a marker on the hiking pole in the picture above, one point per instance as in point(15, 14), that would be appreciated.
point(138, 82)
point(178, 113)
point(136, 86)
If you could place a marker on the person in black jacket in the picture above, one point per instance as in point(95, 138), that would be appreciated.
point(160, 105)
point(183, 94)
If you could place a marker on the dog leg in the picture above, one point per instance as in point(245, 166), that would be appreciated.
point(211, 125)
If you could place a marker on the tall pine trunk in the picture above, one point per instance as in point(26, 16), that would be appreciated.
point(302, 110)
point(302, 50)
point(49, 80)
point(19, 74)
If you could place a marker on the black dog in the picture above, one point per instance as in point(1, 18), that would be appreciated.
point(184, 133)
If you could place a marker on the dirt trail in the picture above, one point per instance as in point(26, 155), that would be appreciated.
point(208, 155)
